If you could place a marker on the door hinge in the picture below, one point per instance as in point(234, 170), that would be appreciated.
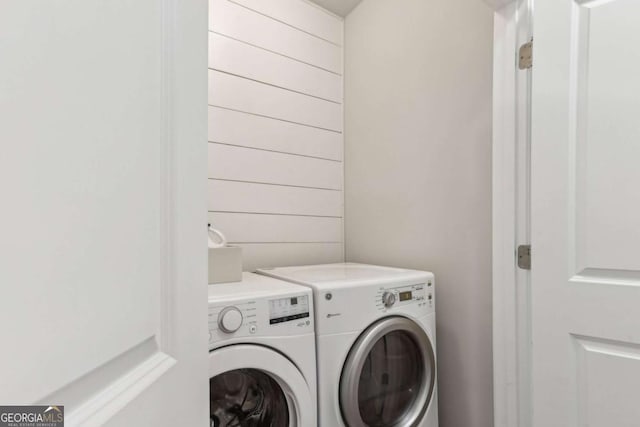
point(525, 56)
point(524, 257)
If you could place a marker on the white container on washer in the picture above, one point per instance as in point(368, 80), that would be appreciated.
point(225, 262)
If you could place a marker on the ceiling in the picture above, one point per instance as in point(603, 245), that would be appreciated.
point(339, 7)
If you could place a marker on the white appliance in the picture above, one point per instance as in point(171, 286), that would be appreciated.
point(375, 337)
point(262, 365)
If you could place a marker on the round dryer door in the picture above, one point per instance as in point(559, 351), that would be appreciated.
point(389, 376)
point(253, 386)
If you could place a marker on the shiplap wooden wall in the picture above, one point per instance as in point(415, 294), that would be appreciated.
point(275, 130)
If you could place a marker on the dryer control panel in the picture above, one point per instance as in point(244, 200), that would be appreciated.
point(394, 297)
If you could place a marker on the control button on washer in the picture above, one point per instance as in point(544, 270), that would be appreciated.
point(253, 329)
point(230, 320)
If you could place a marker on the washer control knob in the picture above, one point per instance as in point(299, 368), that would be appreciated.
point(230, 320)
point(388, 299)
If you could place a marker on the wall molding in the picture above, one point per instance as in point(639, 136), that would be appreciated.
point(275, 131)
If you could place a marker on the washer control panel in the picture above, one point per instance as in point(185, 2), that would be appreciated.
point(290, 315)
point(287, 309)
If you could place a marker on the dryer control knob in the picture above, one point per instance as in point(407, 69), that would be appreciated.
point(388, 299)
point(230, 319)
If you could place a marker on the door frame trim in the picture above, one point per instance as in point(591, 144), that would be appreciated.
point(511, 201)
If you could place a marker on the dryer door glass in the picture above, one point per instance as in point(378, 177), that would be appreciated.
point(390, 379)
point(247, 398)
point(389, 376)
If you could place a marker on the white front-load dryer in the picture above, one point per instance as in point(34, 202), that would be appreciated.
point(376, 343)
point(262, 365)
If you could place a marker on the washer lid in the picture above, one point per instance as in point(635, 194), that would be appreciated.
point(345, 274)
point(253, 368)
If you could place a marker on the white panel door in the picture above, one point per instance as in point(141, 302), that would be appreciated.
point(102, 175)
point(586, 213)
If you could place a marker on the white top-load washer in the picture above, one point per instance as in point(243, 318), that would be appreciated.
point(262, 366)
point(375, 337)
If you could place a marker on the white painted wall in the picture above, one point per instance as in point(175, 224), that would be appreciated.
point(418, 175)
point(275, 130)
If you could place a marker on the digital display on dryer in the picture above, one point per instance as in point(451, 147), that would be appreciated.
point(405, 296)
